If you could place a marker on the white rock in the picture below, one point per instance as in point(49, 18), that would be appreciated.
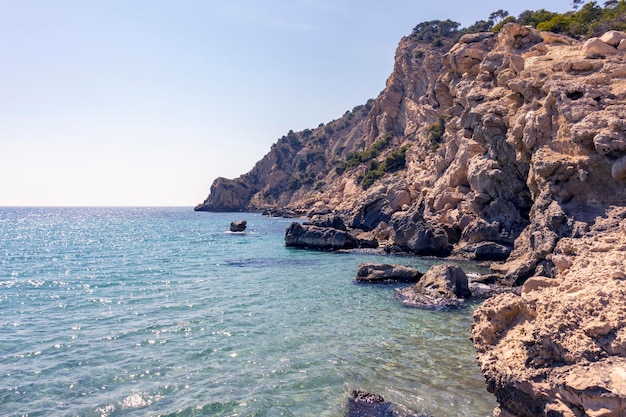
point(595, 46)
point(613, 37)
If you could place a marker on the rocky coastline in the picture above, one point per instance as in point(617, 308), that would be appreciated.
point(509, 148)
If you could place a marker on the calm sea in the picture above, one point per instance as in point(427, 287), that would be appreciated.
point(163, 312)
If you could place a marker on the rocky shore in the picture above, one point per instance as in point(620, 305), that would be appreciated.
point(507, 147)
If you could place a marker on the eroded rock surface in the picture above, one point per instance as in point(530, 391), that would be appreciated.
point(515, 147)
point(315, 237)
point(559, 348)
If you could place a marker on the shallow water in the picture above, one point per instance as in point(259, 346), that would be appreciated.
point(135, 312)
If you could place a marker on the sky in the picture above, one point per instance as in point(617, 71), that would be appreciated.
point(146, 102)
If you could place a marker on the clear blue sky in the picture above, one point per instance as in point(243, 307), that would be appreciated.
point(146, 102)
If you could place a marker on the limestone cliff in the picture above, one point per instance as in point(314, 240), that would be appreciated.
point(503, 145)
point(508, 146)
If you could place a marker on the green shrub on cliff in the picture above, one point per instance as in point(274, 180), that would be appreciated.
point(394, 162)
point(358, 158)
point(435, 133)
point(397, 160)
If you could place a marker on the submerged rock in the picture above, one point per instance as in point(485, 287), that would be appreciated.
point(238, 226)
point(365, 404)
point(378, 273)
point(442, 287)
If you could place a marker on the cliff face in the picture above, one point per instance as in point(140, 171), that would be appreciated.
point(308, 171)
point(508, 146)
point(503, 145)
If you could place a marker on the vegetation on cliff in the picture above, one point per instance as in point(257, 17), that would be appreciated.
point(500, 145)
point(590, 20)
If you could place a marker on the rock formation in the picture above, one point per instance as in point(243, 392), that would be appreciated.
point(531, 148)
point(506, 146)
point(442, 287)
point(386, 273)
point(559, 348)
point(238, 226)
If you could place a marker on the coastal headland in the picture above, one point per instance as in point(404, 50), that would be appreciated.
point(506, 147)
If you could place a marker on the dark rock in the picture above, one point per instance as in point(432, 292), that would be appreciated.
point(379, 273)
point(370, 243)
point(442, 287)
point(364, 404)
point(288, 214)
point(372, 214)
point(326, 220)
point(314, 237)
point(488, 251)
point(238, 226)
point(414, 234)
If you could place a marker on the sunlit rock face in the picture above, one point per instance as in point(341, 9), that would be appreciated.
point(514, 148)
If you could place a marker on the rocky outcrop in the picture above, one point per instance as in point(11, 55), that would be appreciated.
point(559, 348)
point(315, 237)
point(325, 232)
point(529, 149)
point(442, 287)
point(514, 150)
point(386, 273)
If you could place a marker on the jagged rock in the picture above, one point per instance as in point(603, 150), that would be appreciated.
point(414, 234)
point(443, 286)
point(516, 140)
point(238, 226)
point(314, 237)
point(377, 273)
point(227, 195)
point(372, 214)
point(559, 348)
point(327, 220)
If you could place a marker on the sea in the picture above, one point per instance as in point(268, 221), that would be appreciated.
point(165, 312)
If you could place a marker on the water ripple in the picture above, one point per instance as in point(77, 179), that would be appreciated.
point(133, 312)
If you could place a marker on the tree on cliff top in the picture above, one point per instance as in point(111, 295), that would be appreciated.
point(437, 32)
point(590, 20)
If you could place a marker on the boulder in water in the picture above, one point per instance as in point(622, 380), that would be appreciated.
point(382, 273)
point(314, 237)
point(238, 226)
point(442, 287)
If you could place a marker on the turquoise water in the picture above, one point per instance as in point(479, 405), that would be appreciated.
point(162, 312)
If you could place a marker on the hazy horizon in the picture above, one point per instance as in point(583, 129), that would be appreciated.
point(145, 103)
